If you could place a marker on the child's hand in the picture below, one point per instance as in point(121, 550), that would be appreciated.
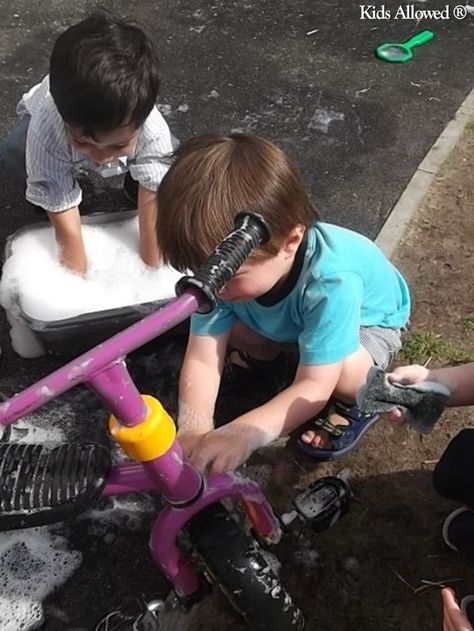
point(147, 213)
point(150, 254)
point(190, 441)
point(226, 448)
point(453, 617)
point(193, 426)
point(68, 234)
point(221, 451)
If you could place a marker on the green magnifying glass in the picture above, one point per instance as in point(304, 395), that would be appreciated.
point(403, 52)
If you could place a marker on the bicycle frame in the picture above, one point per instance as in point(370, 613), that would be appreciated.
point(103, 370)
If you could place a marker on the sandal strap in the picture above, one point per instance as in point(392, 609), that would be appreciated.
point(344, 410)
point(347, 410)
point(335, 431)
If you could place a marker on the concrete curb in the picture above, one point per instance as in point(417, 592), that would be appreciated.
point(404, 210)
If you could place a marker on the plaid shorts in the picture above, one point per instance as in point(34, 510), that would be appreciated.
point(381, 343)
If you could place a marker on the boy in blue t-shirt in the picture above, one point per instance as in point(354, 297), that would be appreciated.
point(327, 290)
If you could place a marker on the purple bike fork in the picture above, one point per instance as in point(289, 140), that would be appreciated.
point(104, 371)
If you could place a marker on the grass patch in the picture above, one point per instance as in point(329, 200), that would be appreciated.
point(422, 346)
point(470, 126)
point(468, 324)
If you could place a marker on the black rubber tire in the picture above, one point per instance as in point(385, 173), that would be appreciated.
point(236, 564)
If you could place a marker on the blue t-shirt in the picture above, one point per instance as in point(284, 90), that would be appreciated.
point(345, 282)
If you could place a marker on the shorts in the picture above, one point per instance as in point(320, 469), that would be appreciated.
point(381, 343)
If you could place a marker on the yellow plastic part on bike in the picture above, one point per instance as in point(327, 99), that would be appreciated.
point(149, 440)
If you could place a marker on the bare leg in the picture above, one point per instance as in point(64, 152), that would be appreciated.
point(353, 376)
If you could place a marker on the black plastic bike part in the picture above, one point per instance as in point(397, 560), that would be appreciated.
point(5, 433)
point(320, 505)
point(235, 563)
point(177, 504)
point(188, 602)
point(73, 336)
point(250, 230)
point(41, 486)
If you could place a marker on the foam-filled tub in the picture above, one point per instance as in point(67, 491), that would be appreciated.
point(65, 314)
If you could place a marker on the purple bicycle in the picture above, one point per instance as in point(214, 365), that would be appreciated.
point(41, 486)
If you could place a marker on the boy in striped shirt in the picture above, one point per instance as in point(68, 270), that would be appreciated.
point(95, 111)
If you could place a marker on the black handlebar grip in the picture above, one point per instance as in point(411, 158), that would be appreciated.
point(250, 230)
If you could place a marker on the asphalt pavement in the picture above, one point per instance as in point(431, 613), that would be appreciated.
point(301, 72)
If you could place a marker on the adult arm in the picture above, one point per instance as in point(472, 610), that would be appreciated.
point(459, 379)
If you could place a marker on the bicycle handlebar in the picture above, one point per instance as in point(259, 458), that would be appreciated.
point(250, 230)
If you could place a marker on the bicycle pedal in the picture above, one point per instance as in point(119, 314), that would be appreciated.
point(320, 505)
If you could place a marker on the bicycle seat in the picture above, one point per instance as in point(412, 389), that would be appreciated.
point(40, 485)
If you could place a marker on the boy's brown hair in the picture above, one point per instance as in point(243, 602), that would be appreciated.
point(213, 178)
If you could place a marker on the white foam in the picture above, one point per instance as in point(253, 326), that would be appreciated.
point(125, 512)
point(322, 119)
point(32, 564)
point(24, 342)
point(34, 283)
point(28, 430)
point(116, 275)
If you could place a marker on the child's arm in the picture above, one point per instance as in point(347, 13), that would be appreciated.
point(228, 447)
point(51, 184)
point(198, 386)
point(459, 379)
point(147, 212)
point(68, 233)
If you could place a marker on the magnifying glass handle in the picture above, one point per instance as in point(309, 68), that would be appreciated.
point(419, 39)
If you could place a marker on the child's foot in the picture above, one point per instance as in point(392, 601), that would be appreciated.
point(337, 433)
point(320, 438)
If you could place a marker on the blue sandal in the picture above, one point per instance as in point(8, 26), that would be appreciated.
point(343, 437)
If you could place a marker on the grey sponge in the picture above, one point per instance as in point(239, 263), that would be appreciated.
point(422, 403)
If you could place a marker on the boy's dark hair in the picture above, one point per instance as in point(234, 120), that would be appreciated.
point(214, 177)
point(104, 73)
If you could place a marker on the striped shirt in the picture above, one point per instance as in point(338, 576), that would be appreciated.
point(53, 163)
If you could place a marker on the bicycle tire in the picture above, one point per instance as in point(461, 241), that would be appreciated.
point(236, 564)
